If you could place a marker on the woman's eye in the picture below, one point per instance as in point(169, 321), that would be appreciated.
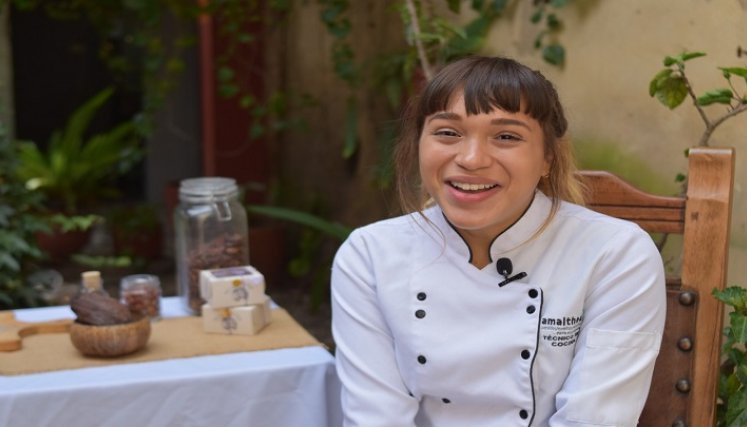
point(446, 132)
point(507, 137)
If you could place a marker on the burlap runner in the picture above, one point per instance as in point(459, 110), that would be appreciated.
point(170, 338)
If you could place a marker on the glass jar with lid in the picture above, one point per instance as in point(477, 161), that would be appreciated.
point(210, 231)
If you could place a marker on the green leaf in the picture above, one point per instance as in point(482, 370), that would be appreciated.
point(671, 91)
point(444, 26)
point(668, 61)
point(333, 229)
point(559, 3)
point(499, 5)
point(454, 5)
point(8, 261)
point(738, 327)
point(246, 101)
point(474, 38)
point(691, 55)
point(476, 5)
point(225, 74)
point(733, 296)
point(536, 16)
point(681, 177)
point(70, 140)
point(736, 413)
point(329, 14)
point(718, 96)
point(739, 71)
point(554, 54)
point(741, 371)
point(246, 38)
point(228, 90)
point(74, 222)
point(351, 130)
point(660, 76)
point(553, 23)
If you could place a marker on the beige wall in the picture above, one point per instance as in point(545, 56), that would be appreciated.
point(614, 48)
point(310, 156)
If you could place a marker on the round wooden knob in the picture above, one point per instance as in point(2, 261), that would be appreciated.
point(685, 344)
point(683, 385)
point(687, 298)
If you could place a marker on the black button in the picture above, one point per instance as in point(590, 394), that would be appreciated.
point(421, 296)
point(410, 393)
point(533, 293)
point(445, 400)
point(525, 354)
point(420, 314)
point(421, 359)
point(523, 414)
point(530, 309)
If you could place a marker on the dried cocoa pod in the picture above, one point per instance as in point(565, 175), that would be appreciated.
point(99, 309)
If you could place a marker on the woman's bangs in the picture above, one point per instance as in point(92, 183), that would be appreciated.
point(487, 85)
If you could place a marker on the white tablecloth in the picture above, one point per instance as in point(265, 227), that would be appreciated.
point(277, 388)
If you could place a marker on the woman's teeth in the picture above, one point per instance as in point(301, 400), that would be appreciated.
point(471, 187)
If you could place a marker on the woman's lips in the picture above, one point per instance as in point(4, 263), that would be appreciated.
point(469, 187)
point(470, 192)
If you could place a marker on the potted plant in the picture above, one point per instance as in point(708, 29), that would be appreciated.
point(18, 223)
point(75, 171)
point(136, 230)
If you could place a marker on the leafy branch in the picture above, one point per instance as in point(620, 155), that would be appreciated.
point(425, 64)
point(671, 87)
point(732, 387)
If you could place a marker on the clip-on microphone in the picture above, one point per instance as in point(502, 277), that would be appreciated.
point(505, 267)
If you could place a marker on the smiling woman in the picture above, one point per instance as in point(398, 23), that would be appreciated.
point(481, 169)
point(504, 302)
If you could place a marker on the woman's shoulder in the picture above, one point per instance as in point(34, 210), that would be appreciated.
point(390, 230)
point(384, 227)
point(581, 217)
point(399, 232)
point(602, 235)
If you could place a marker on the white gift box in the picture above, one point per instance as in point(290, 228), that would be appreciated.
point(232, 286)
point(244, 320)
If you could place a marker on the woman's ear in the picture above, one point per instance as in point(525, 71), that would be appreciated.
point(547, 166)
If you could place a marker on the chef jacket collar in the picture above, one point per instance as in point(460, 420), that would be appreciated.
point(511, 238)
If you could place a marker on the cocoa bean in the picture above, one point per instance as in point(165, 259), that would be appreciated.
point(99, 309)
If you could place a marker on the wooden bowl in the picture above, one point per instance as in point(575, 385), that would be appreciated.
point(110, 340)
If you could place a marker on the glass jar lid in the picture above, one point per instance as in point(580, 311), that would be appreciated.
point(207, 189)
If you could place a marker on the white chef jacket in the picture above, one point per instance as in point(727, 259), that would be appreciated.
point(424, 338)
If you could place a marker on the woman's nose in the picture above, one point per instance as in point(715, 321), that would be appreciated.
point(471, 155)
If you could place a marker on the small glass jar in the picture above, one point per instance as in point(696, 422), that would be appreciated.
point(210, 231)
point(141, 293)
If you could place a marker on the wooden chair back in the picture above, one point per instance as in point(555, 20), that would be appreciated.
point(686, 374)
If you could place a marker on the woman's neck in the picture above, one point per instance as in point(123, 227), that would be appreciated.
point(479, 247)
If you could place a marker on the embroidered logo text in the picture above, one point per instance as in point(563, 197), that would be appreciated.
point(561, 331)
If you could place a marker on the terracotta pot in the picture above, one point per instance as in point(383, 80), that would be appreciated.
point(60, 245)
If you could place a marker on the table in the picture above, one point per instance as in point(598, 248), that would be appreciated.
point(275, 388)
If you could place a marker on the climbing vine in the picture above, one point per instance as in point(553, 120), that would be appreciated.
point(434, 35)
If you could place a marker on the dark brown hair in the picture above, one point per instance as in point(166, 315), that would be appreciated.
point(488, 83)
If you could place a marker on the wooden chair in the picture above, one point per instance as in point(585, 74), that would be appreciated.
point(686, 375)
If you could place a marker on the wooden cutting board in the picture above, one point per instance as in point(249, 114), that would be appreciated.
point(12, 331)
